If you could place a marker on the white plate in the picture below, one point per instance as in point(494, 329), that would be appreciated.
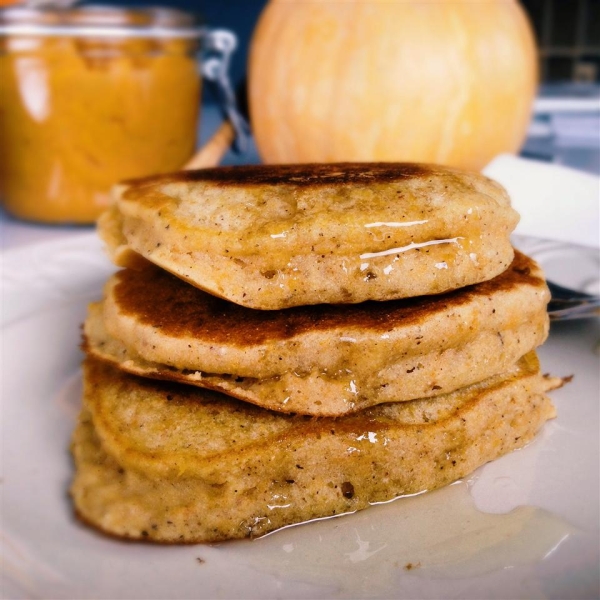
point(430, 546)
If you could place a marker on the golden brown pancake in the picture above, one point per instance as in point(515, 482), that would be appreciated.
point(168, 463)
point(321, 360)
point(272, 237)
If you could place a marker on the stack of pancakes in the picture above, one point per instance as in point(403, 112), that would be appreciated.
point(293, 342)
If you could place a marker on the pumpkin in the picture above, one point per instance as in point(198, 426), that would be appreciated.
point(445, 82)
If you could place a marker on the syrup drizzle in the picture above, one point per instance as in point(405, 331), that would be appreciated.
point(411, 246)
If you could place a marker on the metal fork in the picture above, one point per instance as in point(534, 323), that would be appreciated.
point(566, 303)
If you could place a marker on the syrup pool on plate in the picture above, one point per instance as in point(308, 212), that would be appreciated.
point(435, 535)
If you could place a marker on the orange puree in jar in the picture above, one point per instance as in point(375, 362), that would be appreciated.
point(81, 109)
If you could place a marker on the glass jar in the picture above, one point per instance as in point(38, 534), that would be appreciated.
point(91, 96)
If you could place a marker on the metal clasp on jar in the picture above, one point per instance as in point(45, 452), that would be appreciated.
point(218, 47)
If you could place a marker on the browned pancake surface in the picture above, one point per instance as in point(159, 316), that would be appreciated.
point(157, 298)
point(305, 175)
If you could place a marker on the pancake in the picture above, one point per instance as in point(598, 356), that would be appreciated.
point(168, 463)
point(320, 360)
point(277, 236)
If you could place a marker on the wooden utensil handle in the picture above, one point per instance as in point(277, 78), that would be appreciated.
point(211, 154)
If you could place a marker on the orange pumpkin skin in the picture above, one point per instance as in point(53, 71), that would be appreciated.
point(445, 82)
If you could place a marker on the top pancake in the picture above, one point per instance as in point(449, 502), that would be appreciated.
point(271, 237)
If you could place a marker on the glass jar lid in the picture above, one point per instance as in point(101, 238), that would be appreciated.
point(101, 21)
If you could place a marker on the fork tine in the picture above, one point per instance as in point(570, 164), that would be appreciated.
point(568, 304)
